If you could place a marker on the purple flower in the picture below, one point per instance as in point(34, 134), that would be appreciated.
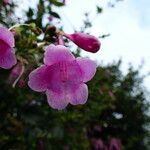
point(98, 144)
point(87, 42)
point(62, 77)
point(115, 144)
point(7, 53)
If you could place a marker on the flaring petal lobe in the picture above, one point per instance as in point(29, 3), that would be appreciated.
point(7, 58)
point(88, 68)
point(39, 79)
point(7, 36)
point(54, 54)
point(78, 94)
point(56, 100)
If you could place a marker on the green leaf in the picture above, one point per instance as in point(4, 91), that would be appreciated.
point(55, 14)
point(99, 9)
point(30, 13)
point(56, 3)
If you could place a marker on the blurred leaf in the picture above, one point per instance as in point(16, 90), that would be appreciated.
point(56, 15)
point(99, 9)
point(56, 3)
point(30, 13)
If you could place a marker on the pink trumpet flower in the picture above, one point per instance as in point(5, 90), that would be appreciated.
point(7, 52)
point(62, 77)
point(87, 42)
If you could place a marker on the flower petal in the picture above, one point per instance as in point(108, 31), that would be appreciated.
point(56, 100)
point(7, 58)
point(56, 54)
point(39, 79)
point(88, 68)
point(78, 94)
point(7, 36)
point(63, 74)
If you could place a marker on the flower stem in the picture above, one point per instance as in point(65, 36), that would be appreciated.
point(21, 73)
point(60, 40)
point(17, 25)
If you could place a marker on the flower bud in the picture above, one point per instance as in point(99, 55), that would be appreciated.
point(87, 42)
point(50, 18)
point(15, 75)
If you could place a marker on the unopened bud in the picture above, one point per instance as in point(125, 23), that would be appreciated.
point(87, 42)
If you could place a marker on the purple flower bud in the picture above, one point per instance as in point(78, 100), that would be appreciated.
point(15, 71)
point(15, 76)
point(87, 42)
point(50, 18)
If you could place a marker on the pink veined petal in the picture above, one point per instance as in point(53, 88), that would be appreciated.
point(39, 79)
point(88, 68)
point(7, 58)
point(54, 54)
point(63, 74)
point(7, 36)
point(78, 94)
point(70, 72)
point(56, 100)
point(55, 83)
point(66, 85)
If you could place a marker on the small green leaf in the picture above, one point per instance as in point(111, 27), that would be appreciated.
point(99, 9)
point(56, 3)
point(30, 13)
point(55, 14)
